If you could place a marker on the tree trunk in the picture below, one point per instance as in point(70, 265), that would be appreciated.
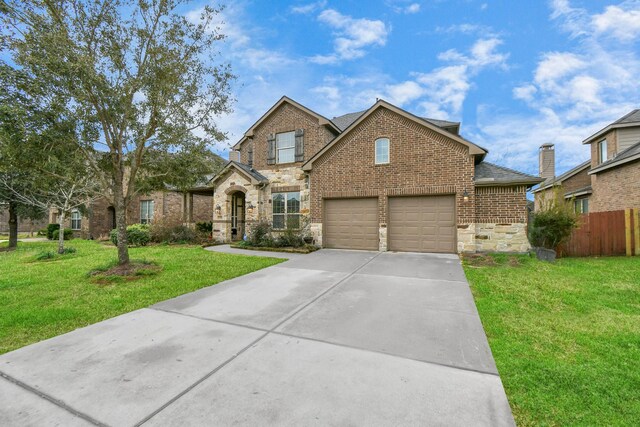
point(61, 232)
point(13, 225)
point(121, 225)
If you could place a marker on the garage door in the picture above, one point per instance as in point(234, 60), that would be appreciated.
point(351, 224)
point(422, 224)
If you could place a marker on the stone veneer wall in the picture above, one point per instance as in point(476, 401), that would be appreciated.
point(501, 221)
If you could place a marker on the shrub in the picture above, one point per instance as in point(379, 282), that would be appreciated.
point(45, 255)
point(68, 234)
point(66, 251)
point(42, 232)
point(50, 229)
point(204, 227)
point(553, 224)
point(137, 235)
point(176, 232)
point(290, 237)
point(260, 234)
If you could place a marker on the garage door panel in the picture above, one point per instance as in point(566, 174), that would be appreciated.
point(422, 224)
point(351, 224)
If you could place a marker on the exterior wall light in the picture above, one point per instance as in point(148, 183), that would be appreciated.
point(250, 208)
point(218, 210)
point(465, 196)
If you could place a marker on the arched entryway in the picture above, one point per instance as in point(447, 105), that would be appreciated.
point(237, 211)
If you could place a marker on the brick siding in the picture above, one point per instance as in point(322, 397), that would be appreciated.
point(616, 188)
point(421, 162)
point(286, 118)
point(501, 205)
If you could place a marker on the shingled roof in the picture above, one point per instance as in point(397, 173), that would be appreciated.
point(489, 174)
point(631, 119)
point(344, 121)
point(630, 154)
point(556, 180)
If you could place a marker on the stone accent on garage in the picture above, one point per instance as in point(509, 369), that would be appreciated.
point(466, 238)
point(491, 237)
point(383, 237)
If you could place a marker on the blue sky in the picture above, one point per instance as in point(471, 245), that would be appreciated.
point(516, 73)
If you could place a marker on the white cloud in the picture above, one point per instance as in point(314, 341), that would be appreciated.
point(617, 22)
point(309, 8)
point(412, 8)
point(572, 93)
point(439, 93)
point(351, 36)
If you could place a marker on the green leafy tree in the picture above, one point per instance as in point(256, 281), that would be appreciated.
point(150, 77)
point(42, 167)
point(554, 222)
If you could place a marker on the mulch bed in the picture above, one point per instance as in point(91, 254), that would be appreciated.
point(124, 273)
point(290, 250)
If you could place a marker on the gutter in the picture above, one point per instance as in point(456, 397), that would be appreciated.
point(615, 164)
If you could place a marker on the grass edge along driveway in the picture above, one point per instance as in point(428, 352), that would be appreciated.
point(565, 336)
point(42, 299)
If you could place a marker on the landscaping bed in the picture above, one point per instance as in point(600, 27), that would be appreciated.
point(40, 299)
point(565, 336)
point(306, 249)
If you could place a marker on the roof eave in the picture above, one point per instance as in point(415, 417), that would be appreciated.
point(609, 128)
point(224, 170)
point(509, 183)
point(473, 148)
point(615, 164)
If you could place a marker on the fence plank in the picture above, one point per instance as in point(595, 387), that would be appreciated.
point(636, 230)
point(627, 231)
point(601, 234)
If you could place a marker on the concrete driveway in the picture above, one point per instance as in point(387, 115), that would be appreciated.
point(330, 338)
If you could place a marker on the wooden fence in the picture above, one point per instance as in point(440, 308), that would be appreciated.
point(605, 234)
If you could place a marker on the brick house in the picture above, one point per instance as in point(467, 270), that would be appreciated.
point(609, 180)
point(380, 179)
point(97, 221)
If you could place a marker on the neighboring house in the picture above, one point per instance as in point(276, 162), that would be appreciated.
point(609, 181)
point(380, 179)
point(99, 218)
point(25, 225)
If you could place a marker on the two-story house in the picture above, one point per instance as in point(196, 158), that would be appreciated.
point(609, 180)
point(380, 179)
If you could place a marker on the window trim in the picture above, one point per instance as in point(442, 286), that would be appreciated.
point(285, 213)
point(375, 150)
point(148, 219)
point(581, 202)
point(74, 220)
point(603, 144)
point(292, 148)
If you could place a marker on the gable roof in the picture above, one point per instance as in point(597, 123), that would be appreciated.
point(473, 148)
point(253, 175)
point(549, 182)
point(489, 174)
point(629, 155)
point(346, 120)
point(321, 119)
point(631, 119)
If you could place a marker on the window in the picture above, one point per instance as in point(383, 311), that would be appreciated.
point(602, 151)
point(286, 210)
point(76, 220)
point(146, 211)
point(286, 147)
point(382, 151)
point(581, 206)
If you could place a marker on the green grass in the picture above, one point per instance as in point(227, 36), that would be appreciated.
point(565, 336)
point(42, 299)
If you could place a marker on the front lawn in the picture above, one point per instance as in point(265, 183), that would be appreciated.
point(565, 336)
point(42, 299)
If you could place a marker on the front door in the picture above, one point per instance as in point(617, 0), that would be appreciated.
point(237, 216)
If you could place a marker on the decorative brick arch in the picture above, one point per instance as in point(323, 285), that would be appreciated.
point(235, 188)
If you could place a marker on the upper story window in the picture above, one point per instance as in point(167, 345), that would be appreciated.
point(286, 147)
point(76, 220)
point(382, 151)
point(146, 211)
point(602, 151)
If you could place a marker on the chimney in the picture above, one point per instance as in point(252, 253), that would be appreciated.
point(547, 165)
